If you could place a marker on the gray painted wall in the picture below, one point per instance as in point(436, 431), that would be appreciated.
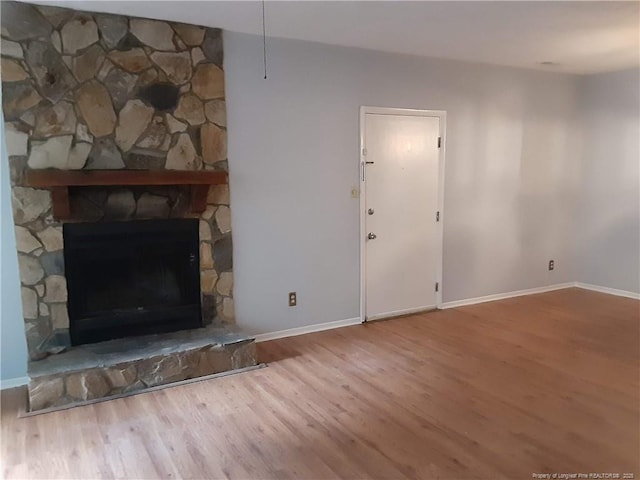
point(13, 356)
point(293, 154)
point(609, 236)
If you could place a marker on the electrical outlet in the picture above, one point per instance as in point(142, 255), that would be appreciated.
point(293, 299)
point(355, 192)
point(552, 265)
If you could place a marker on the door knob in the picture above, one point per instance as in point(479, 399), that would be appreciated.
point(371, 236)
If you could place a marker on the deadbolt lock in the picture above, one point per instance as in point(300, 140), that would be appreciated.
point(370, 211)
point(372, 236)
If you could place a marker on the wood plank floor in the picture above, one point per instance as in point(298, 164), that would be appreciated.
point(540, 384)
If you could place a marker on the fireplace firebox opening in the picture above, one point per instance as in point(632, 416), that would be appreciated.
point(132, 278)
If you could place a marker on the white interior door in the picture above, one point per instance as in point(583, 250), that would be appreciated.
point(402, 247)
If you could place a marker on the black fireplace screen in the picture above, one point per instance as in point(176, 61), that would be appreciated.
point(132, 278)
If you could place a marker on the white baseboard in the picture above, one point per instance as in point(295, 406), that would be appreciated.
point(13, 382)
point(398, 313)
point(502, 296)
point(318, 327)
point(610, 291)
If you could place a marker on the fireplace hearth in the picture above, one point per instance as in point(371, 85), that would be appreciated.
point(132, 278)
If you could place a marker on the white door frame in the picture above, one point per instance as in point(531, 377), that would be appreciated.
point(442, 116)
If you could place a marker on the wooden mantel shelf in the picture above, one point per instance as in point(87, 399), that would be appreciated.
point(59, 181)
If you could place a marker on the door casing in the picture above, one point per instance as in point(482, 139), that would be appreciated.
point(442, 116)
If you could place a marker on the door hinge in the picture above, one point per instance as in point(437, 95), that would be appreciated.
point(437, 286)
point(437, 216)
point(439, 142)
point(364, 152)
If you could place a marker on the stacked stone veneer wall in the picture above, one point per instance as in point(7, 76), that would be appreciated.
point(95, 91)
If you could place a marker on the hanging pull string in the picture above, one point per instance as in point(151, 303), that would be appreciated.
point(264, 43)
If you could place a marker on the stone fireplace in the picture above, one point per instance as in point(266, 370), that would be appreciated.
point(90, 92)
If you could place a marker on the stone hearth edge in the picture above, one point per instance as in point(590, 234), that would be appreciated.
point(127, 365)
